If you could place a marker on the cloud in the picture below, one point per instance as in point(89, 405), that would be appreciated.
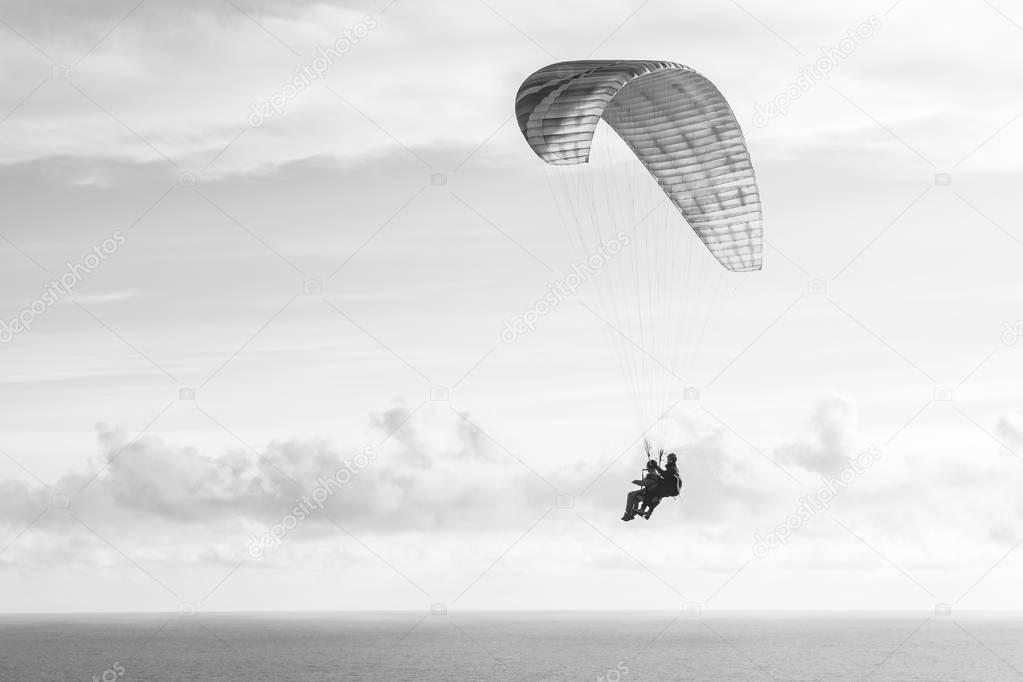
point(433, 471)
point(830, 444)
point(1009, 428)
point(718, 481)
point(433, 483)
point(421, 479)
point(183, 75)
point(107, 296)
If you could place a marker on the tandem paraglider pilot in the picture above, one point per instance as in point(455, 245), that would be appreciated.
point(654, 487)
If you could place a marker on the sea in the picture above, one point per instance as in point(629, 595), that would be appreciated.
point(600, 646)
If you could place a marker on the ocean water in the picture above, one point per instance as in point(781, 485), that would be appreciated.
point(511, 646)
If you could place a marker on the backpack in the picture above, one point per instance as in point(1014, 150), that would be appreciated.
point(670, 486)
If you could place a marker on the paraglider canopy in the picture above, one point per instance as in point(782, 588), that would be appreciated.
point(678, 125)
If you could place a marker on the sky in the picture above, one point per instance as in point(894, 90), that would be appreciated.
point(290, 303)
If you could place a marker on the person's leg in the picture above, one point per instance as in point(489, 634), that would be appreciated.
point(647, 502)
point(644, 502)
point(651, 506)
point(639, 501)
point(631, 500)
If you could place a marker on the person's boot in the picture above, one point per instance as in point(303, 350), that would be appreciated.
point(628, 517)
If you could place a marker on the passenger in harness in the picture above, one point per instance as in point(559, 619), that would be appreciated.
point(637, 498)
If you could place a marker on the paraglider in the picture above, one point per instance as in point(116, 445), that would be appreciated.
point(671, 154)
point(677, 124)
point(656, 484)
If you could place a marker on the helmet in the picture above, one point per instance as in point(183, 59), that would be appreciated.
point(651, 465)
point(672, 457)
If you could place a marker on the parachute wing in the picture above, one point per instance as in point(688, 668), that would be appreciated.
point(679, 126)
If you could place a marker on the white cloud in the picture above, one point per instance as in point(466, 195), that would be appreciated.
point(183, 75)
point(434, 472)
point(831, 442)
point(441, 499)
